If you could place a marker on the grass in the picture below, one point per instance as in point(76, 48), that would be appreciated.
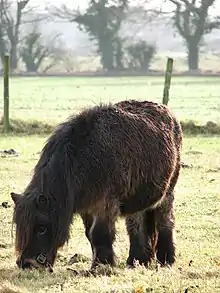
point(51, 100)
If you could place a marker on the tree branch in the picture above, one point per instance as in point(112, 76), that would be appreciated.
point(63, 12)
point(177, 22)
point(190, 6)
point(194, 19)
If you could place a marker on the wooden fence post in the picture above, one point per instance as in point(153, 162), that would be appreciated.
point(6, 94)
point(167, 82)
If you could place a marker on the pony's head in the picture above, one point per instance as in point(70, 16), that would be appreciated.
point(44, 212)
point(36, 238)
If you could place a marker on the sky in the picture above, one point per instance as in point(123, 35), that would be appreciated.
point(83, 3)
point(165, 4)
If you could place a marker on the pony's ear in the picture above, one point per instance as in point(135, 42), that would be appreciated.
point(15, 197)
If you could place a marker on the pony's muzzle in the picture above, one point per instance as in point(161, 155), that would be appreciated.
point(22, 264)
point(30, 263)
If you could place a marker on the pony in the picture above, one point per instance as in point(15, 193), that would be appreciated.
point(109, 161)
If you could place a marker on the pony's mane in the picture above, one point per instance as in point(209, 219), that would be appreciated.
point(50, 179)
point(24, 219)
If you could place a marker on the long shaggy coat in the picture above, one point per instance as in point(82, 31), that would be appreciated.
point(107, 161)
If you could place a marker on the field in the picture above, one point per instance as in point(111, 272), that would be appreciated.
point(51, 100)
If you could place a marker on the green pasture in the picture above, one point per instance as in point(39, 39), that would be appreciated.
point(197, 199)
point(53, 99)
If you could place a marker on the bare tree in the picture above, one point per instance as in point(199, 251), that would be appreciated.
point(10, 25)
point(12, 15)
point(37, 51)
point(192, 22)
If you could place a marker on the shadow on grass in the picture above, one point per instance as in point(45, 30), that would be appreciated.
point(37, 127)
point(191, 128)
point(28, 127)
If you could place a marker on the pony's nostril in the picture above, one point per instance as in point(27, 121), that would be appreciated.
point(23, 264)
point(26, 265)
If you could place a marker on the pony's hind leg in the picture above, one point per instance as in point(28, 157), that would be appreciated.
point(165, 224)
point(141, 231)
point(141, 223)
point(102, 236)
point(87, 222)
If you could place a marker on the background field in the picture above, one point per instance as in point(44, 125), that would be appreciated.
point(51, 100)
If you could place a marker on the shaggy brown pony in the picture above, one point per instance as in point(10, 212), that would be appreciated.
point(108, 161)
point(150, 230)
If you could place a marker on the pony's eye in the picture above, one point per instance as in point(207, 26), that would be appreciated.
point(41, 230)
point(42, 201)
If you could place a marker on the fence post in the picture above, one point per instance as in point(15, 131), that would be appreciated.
point(167, 82)
point(6, 94)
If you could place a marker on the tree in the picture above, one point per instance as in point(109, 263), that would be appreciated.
point(14, 14)
point(35, 50)
point(102, 21)
point(139, 55)
point(10, 27)
point(192, 22)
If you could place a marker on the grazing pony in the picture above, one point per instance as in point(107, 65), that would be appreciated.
point(108, 161)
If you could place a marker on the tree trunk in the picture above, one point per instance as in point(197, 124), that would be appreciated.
point(14, 58)
point(2, 46)
point(107, 54)
point(118, 54)
point(193, 55)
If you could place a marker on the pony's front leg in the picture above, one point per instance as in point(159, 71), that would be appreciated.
point(102, 236)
